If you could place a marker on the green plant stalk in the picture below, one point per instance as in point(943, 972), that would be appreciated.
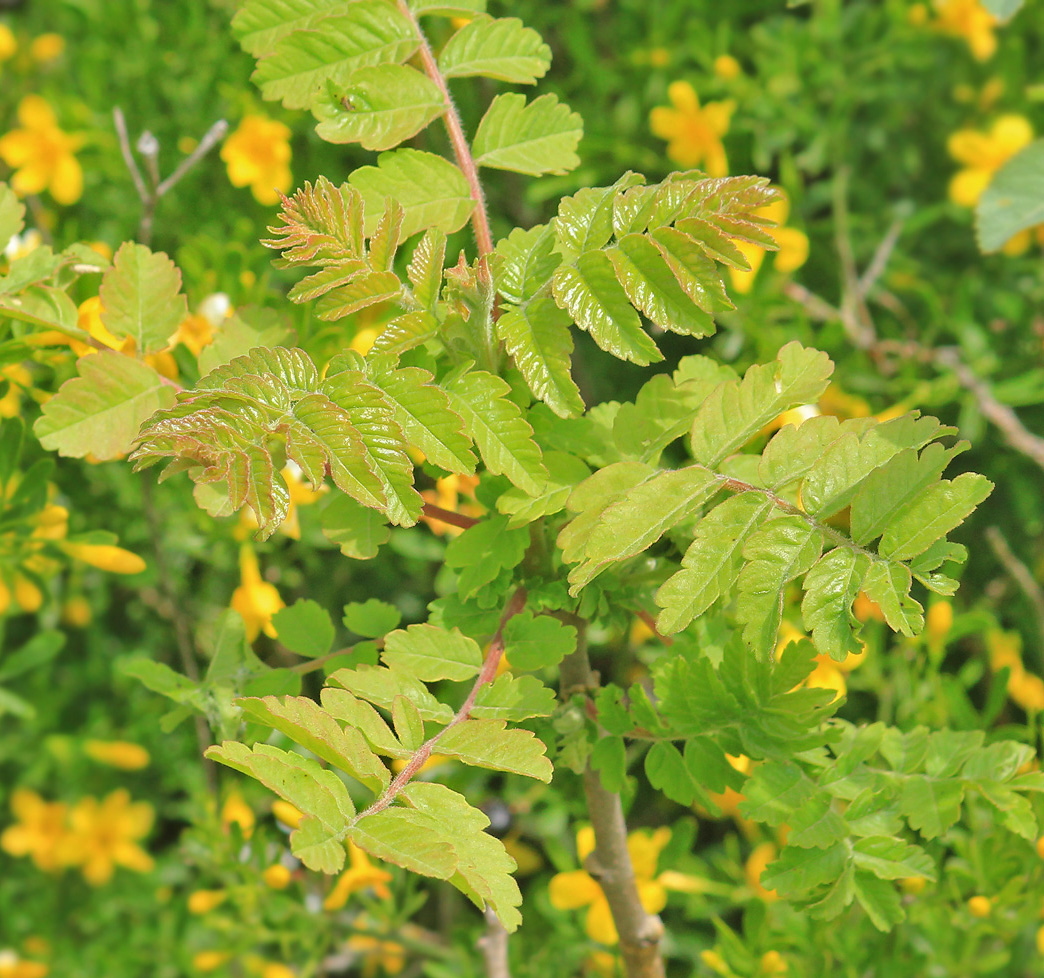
point(610, 863)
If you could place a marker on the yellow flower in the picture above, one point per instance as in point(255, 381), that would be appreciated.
point(773, 963)
point(76, 612)
point(759, 858)
point(286, 813)
point(378, 954)
point(726, 67)
point(41, 154)
point(360, 875)
point(980, 906)
point(257, 155)
point(47, 47)
point(210, 960)
point(938, 621)
point(104, 835)
point(8, 44)
point(729, 800)
point(1025, 689)
point(363, 340)
point(970, 20)
point(12, 966)
point(203, 901)
point(256, 600)
point(792, 253)
point(913, 885)
point(194, 332)
point(117, 753)
point(41, 830)
point(277, 876)
point(983, 154)
point(693, 133)
point(105, 557)
point(27, 595)
point(446, 495)
point(19, 380)
point(275, 970)
point(237, 811)
point(576, 889)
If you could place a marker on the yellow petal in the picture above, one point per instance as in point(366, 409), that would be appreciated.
point(117, 753)
point(970, 147)
point(683, 96)
point(585, 842)
point(1010, 133)
point(793, 249)
point(1018, 244)
point(106, 557)
point(35, 113)
point(599, 924)
point(653, 895)
point(967, 186)
point(569, 891)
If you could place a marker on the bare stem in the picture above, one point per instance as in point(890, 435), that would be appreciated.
point(432, 512)
point(494, 947)
point(461, 148)
point(610, 863)
point(1021, 574)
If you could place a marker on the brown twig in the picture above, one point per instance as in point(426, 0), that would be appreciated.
point(650, 623)
point(494, 947)
point(487, 673)
point(610, 862)
point(432, 512)
point(1020, 574)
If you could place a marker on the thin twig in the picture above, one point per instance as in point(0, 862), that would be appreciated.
point(1021, 574)
point(516, 604)
point(432, 512)
point(128, 154)
point(213, 136)
point(494, 946)
point(879, 262)
point(857, 322)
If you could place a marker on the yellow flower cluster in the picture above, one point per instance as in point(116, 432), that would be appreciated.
point(257, 155)
point(576, 889)
point(93, 836)
point(41, 154)
point(1025, 688)
point(693, 133)
point(982, 154)
point(255, 599)
point(967, 19)
point(14, 966)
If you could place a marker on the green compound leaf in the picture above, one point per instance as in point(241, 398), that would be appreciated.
point(12, 212)
point(537, 642)
point(713, 561)
point(514, 698)
point(504, 438)
point(695, 272)
point(775, 554)
point(888, 585)
point(409, 727)
point(423, 411)
point(537, 138)
point(305, 627)
point(936, 511)
point(99, 412)
point(483, 551)
point(830, 588)
point(485, 743)
point(371, 618)
point(498, 48)
point(301, 63)
point(654, 289)
point(410, 839)
point(429, 654)
point(564, 472)
point(524, 262)
point(379, 106)
point(380, 685)
point(484, 866)
point(448, 8)
point(591, 294)
point(259, 24)
point(357, 530)
point(357, 713)
point(585, 220)
point(305, 785)
point(432, 191)
point(1014, 200)
point(736, 411)
point(633, 524)
point(537, 337)
point(879, 900)
point(931, 806)
point(141, 298)
point(313, 728)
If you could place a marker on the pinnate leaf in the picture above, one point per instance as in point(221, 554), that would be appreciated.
point(534, 138)
point(498, 48)
point(305, 628)
point(141, 297)
point(486, 743)
point(430, 653)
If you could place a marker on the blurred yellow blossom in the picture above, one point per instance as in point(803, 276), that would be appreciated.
point(27, 594)
point(772, 963)
point(1025, 688)
point(210, 960)
point(105, 557)
point(41, 154)
point(726, 67)
point(938, 621)
point(693, 133)
point(235, 811)
point(277, 876)
point(983, 154)
point(360, 875)
point(203, 901)
point(12, 966)
point(913, 885)
point(980, 906)
point(447, 494)
point(8, 44)
point(286, 813)
point(76, 611)
point(18, 381)
point(257, 155)
point(759, 858)
point(47, 47)
point(792, 253)
point(40, 832)
point(117, 753)
point(256, 600)
point(377, 952)
point(967, 19)
point(194, 332)
point(276, 970)
point(576, 889)
point(105, 834)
